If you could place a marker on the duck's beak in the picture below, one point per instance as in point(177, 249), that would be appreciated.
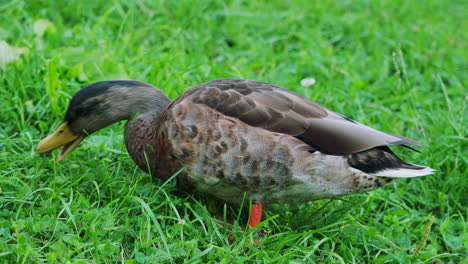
point(63, 136)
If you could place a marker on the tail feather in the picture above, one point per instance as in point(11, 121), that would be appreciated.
point(382, 162)
point(404, 172)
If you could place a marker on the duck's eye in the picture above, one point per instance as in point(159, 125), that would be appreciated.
point(60, 131)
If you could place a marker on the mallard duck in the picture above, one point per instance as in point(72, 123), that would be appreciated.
point(238, 139)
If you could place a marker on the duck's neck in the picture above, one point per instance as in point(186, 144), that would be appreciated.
point(136, 102)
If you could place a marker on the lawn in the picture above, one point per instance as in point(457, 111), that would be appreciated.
point(398, 66)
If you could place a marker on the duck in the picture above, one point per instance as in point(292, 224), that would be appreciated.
point(238, 140)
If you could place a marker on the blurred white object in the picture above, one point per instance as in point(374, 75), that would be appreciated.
point(8, 53)
point(308, 82)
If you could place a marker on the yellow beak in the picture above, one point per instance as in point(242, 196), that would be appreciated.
point(63, 136)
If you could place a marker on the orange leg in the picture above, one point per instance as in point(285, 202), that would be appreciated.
point(256, 214)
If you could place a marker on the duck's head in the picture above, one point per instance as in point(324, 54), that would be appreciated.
point(99, 105)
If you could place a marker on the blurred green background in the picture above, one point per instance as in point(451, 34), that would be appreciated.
point(398, 66)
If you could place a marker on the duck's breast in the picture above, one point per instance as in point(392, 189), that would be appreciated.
point(148, 144)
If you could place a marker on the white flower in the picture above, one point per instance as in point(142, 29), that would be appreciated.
point(9, 53)
point(308, 82)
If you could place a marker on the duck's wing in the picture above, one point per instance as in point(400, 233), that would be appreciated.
point(279, 110)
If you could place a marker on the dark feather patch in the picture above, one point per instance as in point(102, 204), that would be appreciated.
point(378, 159)
point(349, 119)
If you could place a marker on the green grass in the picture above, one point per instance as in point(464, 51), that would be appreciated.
point(399, 66)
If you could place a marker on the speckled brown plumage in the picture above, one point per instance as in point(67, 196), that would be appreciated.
point(237, 139)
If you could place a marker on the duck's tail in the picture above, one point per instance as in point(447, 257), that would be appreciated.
point(415, 171)
point(382, 162)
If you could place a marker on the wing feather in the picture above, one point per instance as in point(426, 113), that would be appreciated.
point(282, 111)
